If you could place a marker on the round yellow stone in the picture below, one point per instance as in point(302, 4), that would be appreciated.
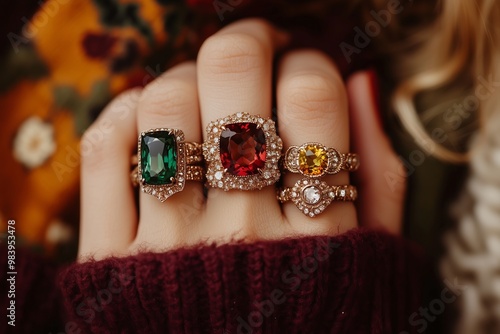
point(313, 160)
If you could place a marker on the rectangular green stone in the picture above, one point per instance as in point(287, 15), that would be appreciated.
point(158, 157)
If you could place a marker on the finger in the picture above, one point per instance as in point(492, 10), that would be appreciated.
point(312, 107)
point(108, 213)
point(381, 174)
point(235, 75)
point(171, 101)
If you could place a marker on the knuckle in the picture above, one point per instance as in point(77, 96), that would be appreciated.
point(129, 97)
point(124, 104)
point(234, 53)
point(96, 147)
point(313, 95)
point(100, 139)
point(174, 95)
point(256, 24)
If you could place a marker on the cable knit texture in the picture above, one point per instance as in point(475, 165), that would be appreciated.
point(359, 282)
point(38, 306)
point(473, 246)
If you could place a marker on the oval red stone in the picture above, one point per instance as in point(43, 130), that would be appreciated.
point(243, 149)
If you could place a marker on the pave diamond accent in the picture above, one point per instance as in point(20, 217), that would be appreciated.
point(312, 196)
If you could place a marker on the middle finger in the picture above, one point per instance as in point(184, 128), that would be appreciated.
point(234, 76)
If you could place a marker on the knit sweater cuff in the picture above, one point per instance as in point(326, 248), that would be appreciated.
point(361, 281)
point(30, 299)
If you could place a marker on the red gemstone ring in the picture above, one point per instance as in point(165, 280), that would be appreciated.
point(165, 162)
point(242, 152)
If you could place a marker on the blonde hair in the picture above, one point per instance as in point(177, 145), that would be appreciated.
point(458, 56)
point(455, 54)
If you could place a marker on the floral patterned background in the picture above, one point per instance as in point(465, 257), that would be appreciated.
point(61, 70)
point(71, 58)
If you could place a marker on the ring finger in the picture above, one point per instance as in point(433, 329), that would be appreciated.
point(312, 107)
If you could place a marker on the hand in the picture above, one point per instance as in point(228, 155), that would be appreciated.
point(233, 73)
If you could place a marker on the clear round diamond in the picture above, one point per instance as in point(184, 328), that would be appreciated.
point(311, 195)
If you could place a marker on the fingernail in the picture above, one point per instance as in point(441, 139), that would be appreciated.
point(375, 94)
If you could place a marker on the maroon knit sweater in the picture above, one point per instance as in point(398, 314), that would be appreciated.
point(358, 282)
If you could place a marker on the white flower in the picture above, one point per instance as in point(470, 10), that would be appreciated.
point(58, 232)
point(34, 142)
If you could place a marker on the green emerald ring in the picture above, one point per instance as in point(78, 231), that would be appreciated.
point(165, 162)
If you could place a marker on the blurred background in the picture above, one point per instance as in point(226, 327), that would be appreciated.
point(62, 61)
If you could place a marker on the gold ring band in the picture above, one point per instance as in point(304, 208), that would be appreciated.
point(312, 196)
point(193, 173)
point(194, 153)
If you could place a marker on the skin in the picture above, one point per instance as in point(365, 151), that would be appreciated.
point(233, 73)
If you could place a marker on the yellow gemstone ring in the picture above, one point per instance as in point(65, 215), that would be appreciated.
point(315, 160)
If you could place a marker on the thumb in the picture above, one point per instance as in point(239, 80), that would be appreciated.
point(381, 177)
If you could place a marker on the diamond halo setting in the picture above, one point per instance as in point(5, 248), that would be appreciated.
point(313, 196)
point(242, 152)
